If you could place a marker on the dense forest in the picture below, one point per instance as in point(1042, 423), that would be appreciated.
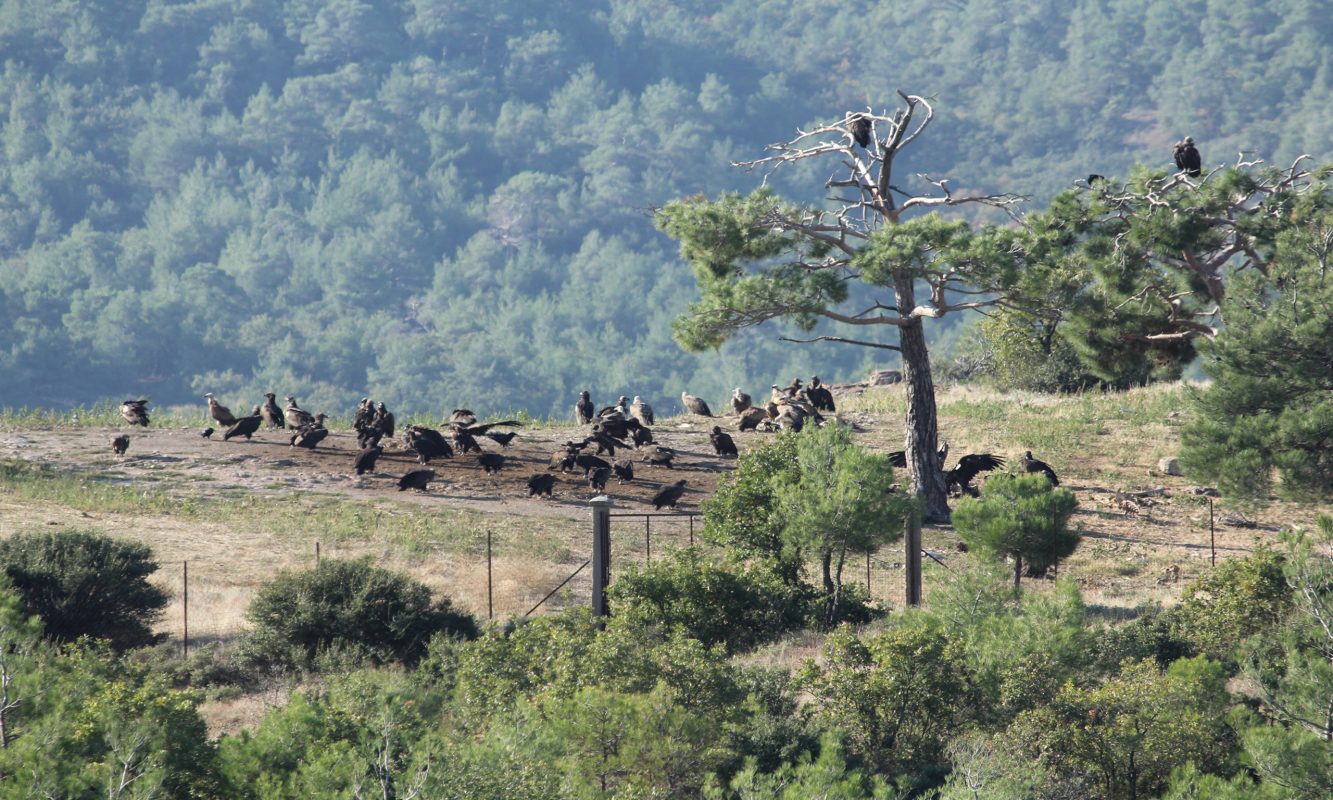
point(447, 201)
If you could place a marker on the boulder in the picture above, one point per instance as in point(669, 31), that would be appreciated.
point(885, 377)
point(1169, 466)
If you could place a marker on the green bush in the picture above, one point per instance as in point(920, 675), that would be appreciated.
point(1237, 599)
point(85, 584)
point(1021, 517)
point(347, 605)
point(737, 606)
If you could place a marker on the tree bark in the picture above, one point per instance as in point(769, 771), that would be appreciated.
point(922, 426)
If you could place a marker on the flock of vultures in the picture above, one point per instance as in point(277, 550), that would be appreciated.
point(627, 427)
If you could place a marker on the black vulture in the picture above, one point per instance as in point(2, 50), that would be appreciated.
point(365, 412)
point(722, 443)
point(820, 397)
point(491, 462)
point(427, 443)
point(616, 426)
point(503, 439)
point(272, 415)
point(583, 409)
point(606, 443)
point(597, 478)
point(751, 417)
point(1187, 158)
point(206, 432)
point(967, 468)
point(1033, 465)
point(589, 463)
point(369, 436)
point(641, 411)
point(541, 483)
point(311, 435)
point(740, 401)
point(480, 430)
point(792, 388)
point(562, 460)
point(668, 495)
point(859, 127)
point(135, 412)
point(296, 416)
point(1094, 178)
point(220, 413)
point(416, 479)
point(462, 417)
point(695, 405)
point(383, 420)
point(465, 442)
point(898, 458)
point(365, 460)
point(642, 436)
point(120, 444)
point(618, 411)
point(245, 426)
point(624, 470)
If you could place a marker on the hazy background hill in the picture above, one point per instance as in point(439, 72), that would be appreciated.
point(445, 201)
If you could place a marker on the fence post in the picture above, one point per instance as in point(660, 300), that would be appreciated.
point(912, 560)
point(490, 600)
point(185, 608)
point(648, 538)
point(1212, 533)
point(601, 552)
point(316, 552)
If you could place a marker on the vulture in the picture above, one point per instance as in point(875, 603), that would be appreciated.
point(641, 411)
point(661, 457)
point(775, 395)
point(365, 460)
point(541, 484)
point(792, 388)
point(898, 458)
point(820, 397)
point(480, 430)
point(618, 411)
point(365, 411)
point(296, 416)
point(642, 436)
point(503, 439)
point(583, 409)
point(589, 463)
point(624, 470)
point(311, 435)
point(427, 443)
point(695, 405)
point(491, 462)
point(272, 415)
point(383, 420)
point(135, 412)
point(416, 479)
point(967, 468)
point(668, 495)
point(245, 426)
point(1094, 178)
point(859, 127)
point(120, 444)
point(220, 413)
point(791, 418)
point(206, 433)
point(1187, 158)
point(562, 460)
point(465, 441)
point(597, 478)
point(722, 443)
point(751, 417)
point(616, 425)
point(462, 416)
point(740, 401)
point(1033, 465)
point(606, 443)
point(369, 436)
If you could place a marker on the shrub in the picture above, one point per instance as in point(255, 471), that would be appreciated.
point(736, 606)
point(347, 605)
point(1021, 517)
point(85, 584)
point(1237, 599)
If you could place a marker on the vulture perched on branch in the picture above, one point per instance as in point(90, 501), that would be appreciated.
point(859, 127)
point(1187, 158)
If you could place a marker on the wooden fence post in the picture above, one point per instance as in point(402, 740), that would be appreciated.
point(601, 552)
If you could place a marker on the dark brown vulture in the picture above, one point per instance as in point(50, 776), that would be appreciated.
point(220, 413)
point(491, 462)
point(820, 397)
point(120, 444)
point(722, 443)
point(740, 401)
point(751, 417)
point(618, 411)
point(1187, 158)
point(365, 460)
point(589, 463)
point(624, 470)
point(206, 433)
point(311, 435)
point(245, 426)
point(462, 417)
point(273, 416)
point(641, 411)
point(642, 436)
point(365, 411)
point(427, 443)
point(583, 409)
point(668, 495)
point(1033, 465)
point(661, 457)
point(135, 412)
point(859, 127)
point(967, 468)
point(465, 442)
point(597, 478)
point(695, 405)
point(898, 458)
point(416, 479)
point(383, 420)
point(541, 484)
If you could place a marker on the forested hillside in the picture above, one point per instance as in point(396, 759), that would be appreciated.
point(445, 201)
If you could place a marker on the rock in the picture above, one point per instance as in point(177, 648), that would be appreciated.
point(1169, 466)
point(885, 377)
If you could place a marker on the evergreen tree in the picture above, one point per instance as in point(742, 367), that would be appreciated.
point(1022, 517)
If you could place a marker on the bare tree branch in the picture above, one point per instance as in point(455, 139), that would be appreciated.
point(843, 340)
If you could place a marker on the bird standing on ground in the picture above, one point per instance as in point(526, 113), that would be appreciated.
point(583, 409)
point(416, 479)
point(220, 413)
point(740, 401)
point(668, 495)
point(1033, 465)
point(245, 426)
point(207, 433)
point(541, 484)
point(120, 444)
point(723, 444)
point(296, 416)
point(365, 460)
point(820, 397)
point(695, 405)
point(272, 415)
point(641, 411)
